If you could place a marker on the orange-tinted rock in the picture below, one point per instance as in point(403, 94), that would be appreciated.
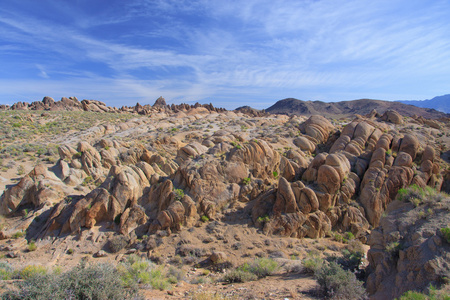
point(307, 201)
point(285, 201)
point(392, 116)
point(410, 145)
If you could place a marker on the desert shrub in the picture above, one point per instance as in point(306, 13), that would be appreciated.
point(99, 281)
point(412, 295)
point(20, 170)
point(312, 263)
point(31, 271)
point(117, 243)
point(433, 294)
point(88, 180)
point(246, 180)
point(176, 260)
point(336, 283)
point(190, 250)
point(6, 271)
point(417, 195)
point(350, 260)
point(263, 267)
point(239, 275)
point(175, 274)
point(158, 278)
point(446, 233)
point(206, 295)
point(258, 268)
point(263, 219)
point(17, 235)
point(204, 219)
point(179, 194)
point(394, 248)
point(349, 236)
point(32, 246)
point(338, 237)
point(36, 287)
point(136, 270)
point(351, 256)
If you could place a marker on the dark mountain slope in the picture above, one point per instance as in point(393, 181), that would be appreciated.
point(345, 108)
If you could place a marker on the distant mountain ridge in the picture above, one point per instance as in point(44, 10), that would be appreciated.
point(440, 103)
point(345, 108)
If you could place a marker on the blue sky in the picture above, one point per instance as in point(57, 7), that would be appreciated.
point(230, 53)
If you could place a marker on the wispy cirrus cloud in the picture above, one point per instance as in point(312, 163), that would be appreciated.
point(211, 50)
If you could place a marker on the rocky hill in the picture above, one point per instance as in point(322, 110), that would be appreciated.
point(72, 104)
point(440, 103)
point(344, 108)
point(200, 187)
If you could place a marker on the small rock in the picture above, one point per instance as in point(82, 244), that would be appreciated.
point(3, 235)
point(218, 257)
point(100, 253)
point(131, 251)
point(208, 240)
point(11, 254)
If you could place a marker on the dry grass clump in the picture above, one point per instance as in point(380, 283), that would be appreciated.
point(433, 294)
point(100, 281)
point(97, 281)
point(207, 295)
point(258, 268)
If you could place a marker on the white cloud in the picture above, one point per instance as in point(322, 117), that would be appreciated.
point(325, 49)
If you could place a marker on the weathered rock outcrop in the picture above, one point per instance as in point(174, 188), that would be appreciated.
point(318, 128)
point(38, 187)
point(72, 104)
point(392, 116)
point(119, 192)
point(408, 250)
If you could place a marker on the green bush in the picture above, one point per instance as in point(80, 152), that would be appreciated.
point(6, 271)
point(349, 236)
point(338, 237)
point(263, 267)
point(99, 282)
point(239, 275)
point(179, 194)
point(417, 195)
point(136, 270)
point(204, 219)
point(263, 219)
point(32, 246)
point(17, 235)
point(412, 295)
point(88, 180)
point(117, 243)
point(393, 248)
point(246, 180)
point(31, 271)
point(433, 294)
point(336, 283)
point(352, 256)
point(446, 233)
point(312, 264)
point(206, 295)
point(258, 268)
